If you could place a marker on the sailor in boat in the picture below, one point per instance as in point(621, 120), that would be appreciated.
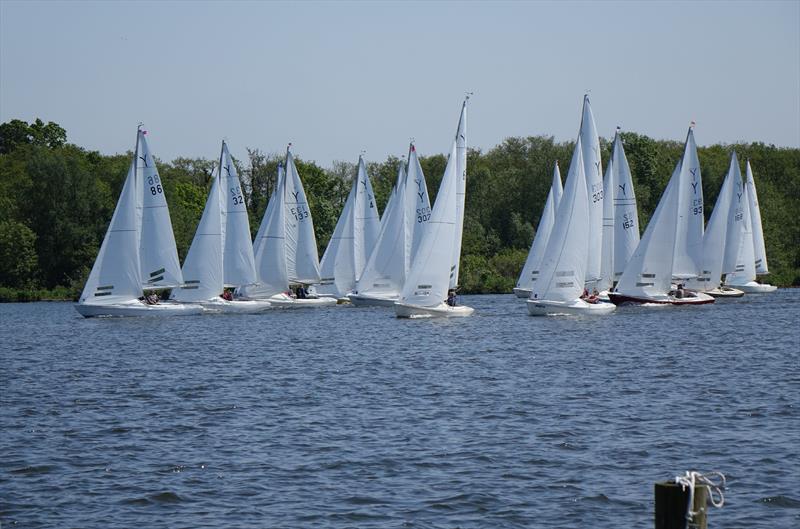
point(226, 295)
point(451, 297)
point(682, 292)
point(301, 292)
point(590, 298)
point(151, 299)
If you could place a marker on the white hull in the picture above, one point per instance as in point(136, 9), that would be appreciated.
point(725, 292)
point(361, 300)
point(136, 308)
point(522, 292)
point(578, 307)
point(282, 301)
point(755, 288)
point(236, 306)
point(443, 310)
point(339, 300)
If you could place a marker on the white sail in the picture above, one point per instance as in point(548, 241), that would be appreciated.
point(735, 221)
point(387, 266)
point(302, 260)
point(390, 203)
point(626, 216)
point(688, 254)
point(594, 186)
point(366, 222)
point(337, 267)
point(461, 190)
point(530, 271)
point(158, 255)
point(429, 278)
point(353, 238)
point(269, 249)
point(744, 271)
point(115, 275)
point(755, 217)
point(563, 270)
point(239, 262)
point(203, 266)
point(649, 272)
point(724, 225)
point(607, 254)
point(418, 203)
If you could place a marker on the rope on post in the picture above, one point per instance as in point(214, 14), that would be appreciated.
point(693, 479)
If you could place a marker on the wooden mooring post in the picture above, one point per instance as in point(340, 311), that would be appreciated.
point(672, 506)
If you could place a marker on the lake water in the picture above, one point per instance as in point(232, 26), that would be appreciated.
point(348, 417)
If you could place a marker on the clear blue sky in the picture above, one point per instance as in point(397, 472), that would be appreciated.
point(336, 78)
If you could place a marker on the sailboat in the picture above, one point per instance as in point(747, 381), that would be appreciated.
point(745, 279)
point(115, 284)
point(285, 247)
point(620, 218)
point(429, 290)
point(563, 270)
point(402, 228)
point(221, 254)
point(590, 143)
point(722, 236)
point(353, 239)
point(530, 271)
point(671, 246)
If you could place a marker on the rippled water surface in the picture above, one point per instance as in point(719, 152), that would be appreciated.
point(348, 417)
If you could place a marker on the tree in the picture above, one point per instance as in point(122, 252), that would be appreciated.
point(16, 132)
point(18, 262)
